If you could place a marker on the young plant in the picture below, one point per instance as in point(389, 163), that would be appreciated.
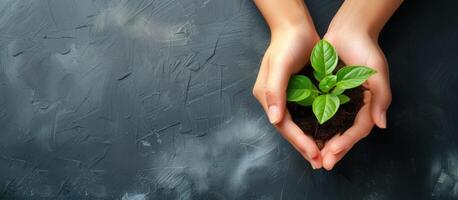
point(328, 96)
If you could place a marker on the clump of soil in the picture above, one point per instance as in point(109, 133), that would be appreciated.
point(339, 123)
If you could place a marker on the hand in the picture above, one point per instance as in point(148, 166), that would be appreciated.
point(289, 51)
point(287, 54)
point(359, 48)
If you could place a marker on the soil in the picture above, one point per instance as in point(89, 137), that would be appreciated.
point(338, 124)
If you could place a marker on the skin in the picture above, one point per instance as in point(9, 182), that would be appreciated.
point(354, 32)
point(293, 36)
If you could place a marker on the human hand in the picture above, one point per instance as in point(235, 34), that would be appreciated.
point(290, 49)
point(360, 48)
point(287, 54)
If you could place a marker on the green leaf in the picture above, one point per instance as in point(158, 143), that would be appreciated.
point(318, 76)
point(324, 57)
point(337, 91)
point(353, 76)
point(309, 100)
point(325, 106)
point(327, 83)
point(343, 99)
point(299, 88)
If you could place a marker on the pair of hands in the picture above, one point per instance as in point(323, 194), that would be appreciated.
point(288, 52)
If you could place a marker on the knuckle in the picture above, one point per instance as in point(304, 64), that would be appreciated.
point(389, 98)
point(366, 130)
point(364, 135)
point(335, 147)
point(256, 92)
point(386, 99)
point(270, 91)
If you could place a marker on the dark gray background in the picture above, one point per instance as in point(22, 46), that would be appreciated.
point(151, 99)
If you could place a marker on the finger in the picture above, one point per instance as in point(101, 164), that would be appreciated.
point(325, 149)
point(301, 142)
point(293, 134)
point(362, 119)
point(379, 86)
point(277, 83)
point(330, 160)
point(296, 137)
point(339, 145)
point(362, 126)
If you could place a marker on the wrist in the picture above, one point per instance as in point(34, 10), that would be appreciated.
point(347, 32)
point(366, 17)
point(303, 30)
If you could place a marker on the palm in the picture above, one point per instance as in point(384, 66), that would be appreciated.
point(291, 50)
point(363, 51)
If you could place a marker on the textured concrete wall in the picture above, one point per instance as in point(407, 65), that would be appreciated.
point(151, 99)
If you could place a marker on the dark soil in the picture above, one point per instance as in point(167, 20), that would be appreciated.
point(338, 124)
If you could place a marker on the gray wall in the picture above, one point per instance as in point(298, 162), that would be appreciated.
point(151, 99)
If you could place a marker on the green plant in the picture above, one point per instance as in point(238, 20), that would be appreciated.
point(328, 96)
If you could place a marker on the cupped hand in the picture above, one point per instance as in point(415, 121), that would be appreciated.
point(287, 54)
point(360, 49)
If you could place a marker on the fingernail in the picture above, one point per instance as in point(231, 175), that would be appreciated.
point(313, 166)
point(383, 120)
point(274, 114)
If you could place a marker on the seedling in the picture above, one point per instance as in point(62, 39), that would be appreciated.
point(328, 96)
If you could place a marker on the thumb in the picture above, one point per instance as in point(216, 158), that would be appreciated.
point(381, 99)
point(277, 83)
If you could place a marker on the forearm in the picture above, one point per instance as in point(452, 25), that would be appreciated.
point(367, 16)
point(282, 15)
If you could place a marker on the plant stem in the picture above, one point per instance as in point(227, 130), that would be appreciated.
point(316, 130)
